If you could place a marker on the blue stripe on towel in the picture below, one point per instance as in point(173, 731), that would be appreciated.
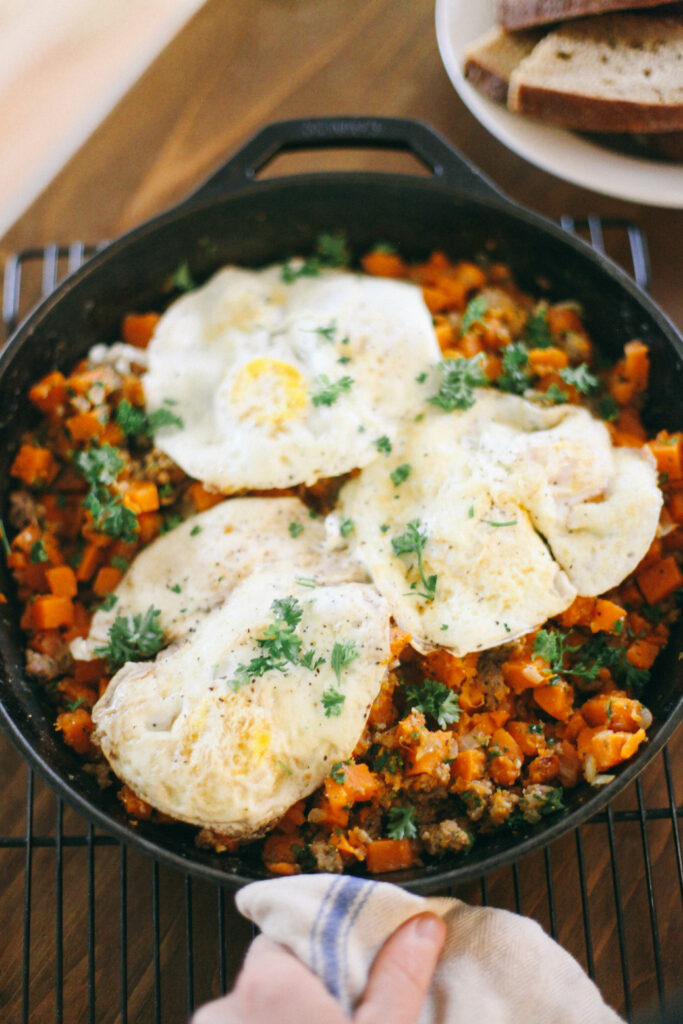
point(315, 948)
point(331, 930)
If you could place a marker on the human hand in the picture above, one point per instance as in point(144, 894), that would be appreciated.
point(274, 985)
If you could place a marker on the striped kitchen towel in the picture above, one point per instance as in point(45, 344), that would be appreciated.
point(496, 967)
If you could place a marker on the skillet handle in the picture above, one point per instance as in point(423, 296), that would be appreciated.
point(414, 137)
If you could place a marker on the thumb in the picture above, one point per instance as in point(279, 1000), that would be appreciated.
point(403, 968)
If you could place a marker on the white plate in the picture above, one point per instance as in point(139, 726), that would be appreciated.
point(569, 156)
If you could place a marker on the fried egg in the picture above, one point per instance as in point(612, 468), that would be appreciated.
point(199, 741)
point(190, 570)
point(483, 523)
point(278, 384)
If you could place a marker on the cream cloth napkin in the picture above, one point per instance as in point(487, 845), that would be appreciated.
point(496, 967)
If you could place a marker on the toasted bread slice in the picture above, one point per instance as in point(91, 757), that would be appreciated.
point(490, 60)
point(614, 73)
point(513, 14)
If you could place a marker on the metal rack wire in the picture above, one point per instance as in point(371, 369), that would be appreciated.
point(100, 933)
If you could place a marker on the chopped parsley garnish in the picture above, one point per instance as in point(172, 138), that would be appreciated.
point(38, 552)
point(342, 656)
point(510, 522)
point(119, 562)
point(536, 330)
point(608, 408)
point(73, 705)
point(401, 823)
point(136, 422)
point(344, 360)
point(309, 660)
point(333, 702)
point(132, 638)
point(434, 698)
point(280, 646)
point(99, 464)
point(384, 527)
point(195, 530)
point(182, 278)
point(400, 474)
point(459, 377)
point(553, 801)
point(171, 520)
point(330, 251)
point(550, 646)
point(581, 378)
point(176, 588)
point(3, 539)
point(108, 603)
point(594, 654)
point(327, 333)
point(383, 445)
point(475, 311)
point(295, 529)
point(515, 375)
point(388, 761)
point(306, 581)
point(421, 377)
point(338, 773)
point(110, 515)
point(412, 541)
point(346, 527)
point(555, 394)
point(329, 392)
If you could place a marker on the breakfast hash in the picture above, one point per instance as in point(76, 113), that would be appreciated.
point(347, 566)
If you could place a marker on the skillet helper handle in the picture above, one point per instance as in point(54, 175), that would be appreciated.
point(415, 137)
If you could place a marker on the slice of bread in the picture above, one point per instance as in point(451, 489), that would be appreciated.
point(613, 73)
point(490, 60)
point(512, 14)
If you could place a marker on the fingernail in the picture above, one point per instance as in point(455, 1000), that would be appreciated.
point(429, 927)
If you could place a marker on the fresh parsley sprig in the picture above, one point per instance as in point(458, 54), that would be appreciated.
point(136, 422)
point(331, 250)
point(328, 392)
point(515, 376)
point(474, 313)
point(401, 823)
point(333, 702)
point(459, 377)
point(132, 638)
point(342, 655)
point(536, 330)
point(581, 378)
point(400, 474)
point(412, 542)
point(434, 698)
point(100, 465)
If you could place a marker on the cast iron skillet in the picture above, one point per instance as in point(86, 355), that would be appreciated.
point(234, 218)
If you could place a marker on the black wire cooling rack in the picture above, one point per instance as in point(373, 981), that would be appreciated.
point(95, 932)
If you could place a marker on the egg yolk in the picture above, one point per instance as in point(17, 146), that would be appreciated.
point(269, 391)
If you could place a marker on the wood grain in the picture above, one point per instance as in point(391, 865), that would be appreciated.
point(235, 67)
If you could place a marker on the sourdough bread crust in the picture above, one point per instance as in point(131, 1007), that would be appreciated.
point(513, 14)
point(592, 114)
point(491, 59)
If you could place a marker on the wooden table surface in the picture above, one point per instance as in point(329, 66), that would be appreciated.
point(237, 65)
